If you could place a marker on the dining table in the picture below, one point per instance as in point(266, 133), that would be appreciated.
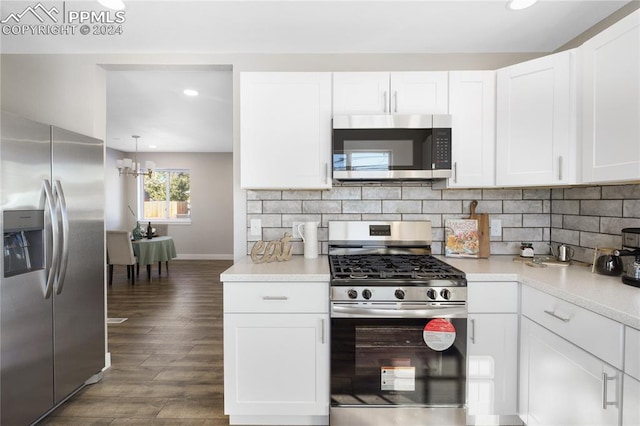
point(151, 250)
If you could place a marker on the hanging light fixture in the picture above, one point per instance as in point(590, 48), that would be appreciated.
point(130, 167)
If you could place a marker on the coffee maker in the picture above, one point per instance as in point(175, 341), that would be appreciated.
point(631, 247)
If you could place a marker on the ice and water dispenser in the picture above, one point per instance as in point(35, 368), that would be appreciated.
point(23, 241)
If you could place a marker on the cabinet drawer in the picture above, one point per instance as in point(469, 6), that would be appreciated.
point(492, 297)
point(599, 335)
point(631, 352)
point(276, 297)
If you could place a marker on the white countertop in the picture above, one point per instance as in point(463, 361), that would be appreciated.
point(576, 284)
point(604, 295)
point(298, 268)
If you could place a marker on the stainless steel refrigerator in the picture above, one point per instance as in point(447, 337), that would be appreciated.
point(52, 306)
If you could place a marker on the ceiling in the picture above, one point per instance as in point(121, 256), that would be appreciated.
point(150, 102)
point(152, 105)
point(323, 26)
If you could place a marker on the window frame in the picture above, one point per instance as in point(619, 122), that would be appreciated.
point(140, 197)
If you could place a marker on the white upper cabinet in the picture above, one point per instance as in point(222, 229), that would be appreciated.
point(419, 92)
point(360, 93)
point(472, 105)
point(611, 103)
point(390, 93)
point(536, 122)
point(285, 130)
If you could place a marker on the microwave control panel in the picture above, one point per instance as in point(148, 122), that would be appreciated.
point(441, 149)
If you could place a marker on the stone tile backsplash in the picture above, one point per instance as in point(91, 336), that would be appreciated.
point(593, 216)
point(583, 217)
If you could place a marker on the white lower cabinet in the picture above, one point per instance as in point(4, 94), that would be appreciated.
point(567, 385)
point(564, 379)
point(631, 401)
point(631, 387)
point(492, 353)
point(276, 362)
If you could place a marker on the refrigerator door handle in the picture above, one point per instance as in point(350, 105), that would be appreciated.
point(47, 197)
point(64, 260)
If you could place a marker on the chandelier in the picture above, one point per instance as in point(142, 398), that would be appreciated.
point(130, 167)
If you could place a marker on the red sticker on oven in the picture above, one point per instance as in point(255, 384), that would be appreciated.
point(439, 334)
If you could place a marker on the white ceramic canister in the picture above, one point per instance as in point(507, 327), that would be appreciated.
point(309, 233)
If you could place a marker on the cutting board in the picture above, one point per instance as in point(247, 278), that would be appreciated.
point(484, 239)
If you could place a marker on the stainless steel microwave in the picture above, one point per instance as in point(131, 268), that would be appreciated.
point(395, 147)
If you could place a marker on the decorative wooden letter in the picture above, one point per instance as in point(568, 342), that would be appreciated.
point(277, 250)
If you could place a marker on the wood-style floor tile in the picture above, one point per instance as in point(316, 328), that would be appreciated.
point(166, 358)
point(191, 409)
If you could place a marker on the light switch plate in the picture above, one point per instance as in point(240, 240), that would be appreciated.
point(496, 228)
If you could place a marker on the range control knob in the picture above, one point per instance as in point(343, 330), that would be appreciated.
point(445, 293)
point(399, 293)
point(352, 294)
point(366, 293)
point(432, 294)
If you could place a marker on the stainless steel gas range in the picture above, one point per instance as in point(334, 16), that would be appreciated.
point(398, 327)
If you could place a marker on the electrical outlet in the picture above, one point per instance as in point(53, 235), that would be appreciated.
point(256, 227)
point(496, 228)
point(294, 230)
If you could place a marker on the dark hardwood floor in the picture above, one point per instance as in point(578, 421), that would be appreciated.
point(166, 358)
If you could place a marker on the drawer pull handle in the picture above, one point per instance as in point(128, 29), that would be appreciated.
point(553, 314)
point(275, 298)
point(605, 403)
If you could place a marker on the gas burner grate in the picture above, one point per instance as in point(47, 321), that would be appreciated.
point(406, 267)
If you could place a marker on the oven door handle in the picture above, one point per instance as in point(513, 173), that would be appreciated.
point(404, 312)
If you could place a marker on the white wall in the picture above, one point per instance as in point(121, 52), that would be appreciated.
point(116, 215)
point(210, 234)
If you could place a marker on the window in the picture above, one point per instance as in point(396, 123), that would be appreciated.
point(166, 195)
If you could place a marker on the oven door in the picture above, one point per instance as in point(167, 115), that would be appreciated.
point(415, 365)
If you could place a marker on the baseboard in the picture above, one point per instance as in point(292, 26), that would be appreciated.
point(107, 361)
point(205, 257)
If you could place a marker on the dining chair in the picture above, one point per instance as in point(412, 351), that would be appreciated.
point(120, 252)
point(161, 230)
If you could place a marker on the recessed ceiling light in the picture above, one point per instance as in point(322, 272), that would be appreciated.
point(520, 4)
point(190, 92)
point(112, 4)
point(153, 146)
